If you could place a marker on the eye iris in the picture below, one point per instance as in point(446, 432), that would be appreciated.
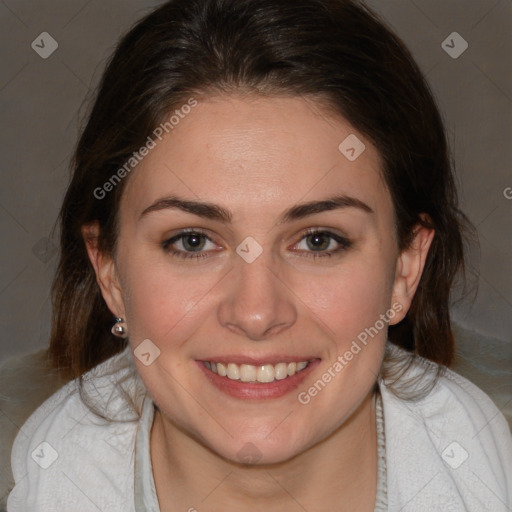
point(320, 241)
point(193, 242)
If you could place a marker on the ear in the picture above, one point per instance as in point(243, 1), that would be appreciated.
point(409, 268)
point(105, 269)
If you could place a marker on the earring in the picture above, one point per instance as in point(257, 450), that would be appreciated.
point(119, 328)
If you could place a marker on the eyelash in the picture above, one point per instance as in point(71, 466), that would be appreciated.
point(344, 244)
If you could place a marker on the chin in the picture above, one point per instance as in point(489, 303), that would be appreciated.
point(260, 451)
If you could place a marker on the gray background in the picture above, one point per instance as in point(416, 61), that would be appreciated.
point(42, 103)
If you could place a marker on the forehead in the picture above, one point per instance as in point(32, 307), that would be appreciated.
point(258, 154)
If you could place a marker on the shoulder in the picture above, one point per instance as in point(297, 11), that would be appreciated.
point(453, 440)
point(79, 439)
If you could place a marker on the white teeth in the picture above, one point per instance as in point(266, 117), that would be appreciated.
point(233, 371)
point(265, 373)
point(281, 371)
point(221, 369)
point(248, 373)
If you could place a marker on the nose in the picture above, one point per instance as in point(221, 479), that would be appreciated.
point(257, 303)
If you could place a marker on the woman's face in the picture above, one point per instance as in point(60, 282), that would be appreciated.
point(248, 290)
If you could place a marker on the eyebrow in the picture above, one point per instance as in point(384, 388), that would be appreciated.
point(220, 214)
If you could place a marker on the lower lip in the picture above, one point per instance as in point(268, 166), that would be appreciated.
point(258, 391)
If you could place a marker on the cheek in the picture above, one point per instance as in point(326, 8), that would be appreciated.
point(166, 300)
point(351, 299)
point(161, 302)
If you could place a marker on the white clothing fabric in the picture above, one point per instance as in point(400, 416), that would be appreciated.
point(449, 451)
point(381, 497)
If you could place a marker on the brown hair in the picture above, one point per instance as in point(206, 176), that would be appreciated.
point(337, 50)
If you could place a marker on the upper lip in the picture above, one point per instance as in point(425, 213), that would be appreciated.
point(257, 361)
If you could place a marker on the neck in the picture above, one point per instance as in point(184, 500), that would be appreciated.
point(338, 473)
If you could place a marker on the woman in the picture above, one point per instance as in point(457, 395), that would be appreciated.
point(258, 246)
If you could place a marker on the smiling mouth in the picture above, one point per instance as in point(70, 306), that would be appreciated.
point(263, 374)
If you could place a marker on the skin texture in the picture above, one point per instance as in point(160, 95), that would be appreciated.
point(257, 157)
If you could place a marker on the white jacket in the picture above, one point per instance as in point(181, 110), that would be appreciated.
point(450, 451)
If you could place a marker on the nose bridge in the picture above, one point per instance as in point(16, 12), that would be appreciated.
point(257, 303)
